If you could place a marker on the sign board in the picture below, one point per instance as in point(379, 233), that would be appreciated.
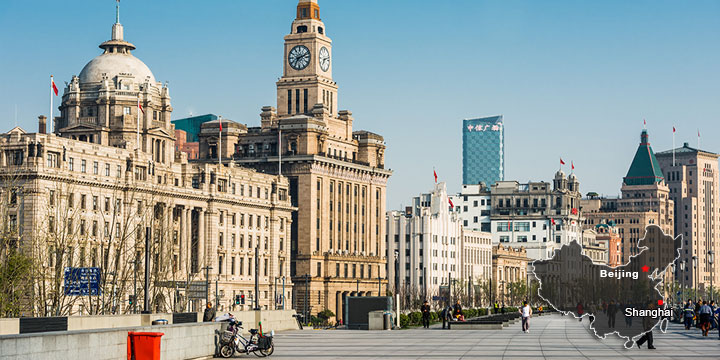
point(197, 290)
point(82, 281)
point(438, 298)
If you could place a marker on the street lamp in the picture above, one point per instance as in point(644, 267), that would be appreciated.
point(682, 282)
point(711, 254)
point(694, 261)
point(396, 278)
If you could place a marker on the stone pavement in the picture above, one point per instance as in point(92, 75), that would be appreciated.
point(550, 337)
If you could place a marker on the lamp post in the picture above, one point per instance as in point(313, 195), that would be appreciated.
point(396, 278)
point(682, 282)
point(207, 283)
point(711, 255)
point(694, 261)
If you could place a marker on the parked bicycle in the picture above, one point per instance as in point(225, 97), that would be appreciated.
point(232, 341)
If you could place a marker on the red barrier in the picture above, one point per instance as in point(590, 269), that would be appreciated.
point(144, 345)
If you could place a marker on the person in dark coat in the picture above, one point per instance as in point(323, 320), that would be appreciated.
point(648, 323)
point(425, 310)
point(611, 313)
point(209, 314)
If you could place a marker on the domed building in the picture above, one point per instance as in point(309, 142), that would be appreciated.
point(92, 191)
point(117, 101)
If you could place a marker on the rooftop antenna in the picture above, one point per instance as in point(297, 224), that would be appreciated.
point(117, 11)
point(16, 116)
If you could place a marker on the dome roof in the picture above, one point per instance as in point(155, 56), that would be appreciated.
point(115, 60)
point(112, 64)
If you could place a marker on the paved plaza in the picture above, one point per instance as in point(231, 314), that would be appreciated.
point(550, 337)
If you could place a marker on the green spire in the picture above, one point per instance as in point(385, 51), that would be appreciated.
point(645, 169)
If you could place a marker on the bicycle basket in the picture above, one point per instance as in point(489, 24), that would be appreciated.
point(264, 342)
point(227, 337)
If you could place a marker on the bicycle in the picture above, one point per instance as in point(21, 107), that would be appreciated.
point(233, 341)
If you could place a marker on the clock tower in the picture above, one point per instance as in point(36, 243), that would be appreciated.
point(307, 66)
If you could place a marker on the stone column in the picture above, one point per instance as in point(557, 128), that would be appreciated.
point(187, 235)
point(201, 238)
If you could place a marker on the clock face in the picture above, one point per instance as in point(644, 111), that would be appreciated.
point(324, 59)
point(299, 57)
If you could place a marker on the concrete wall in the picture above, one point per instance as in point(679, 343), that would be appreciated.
point(181, 341)
point(9, 326)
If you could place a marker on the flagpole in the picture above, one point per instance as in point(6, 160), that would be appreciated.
point(137, 137)
point(279, 151)
point(220, 146)
point(673, 146)
point(698, 145)
point(50, 121)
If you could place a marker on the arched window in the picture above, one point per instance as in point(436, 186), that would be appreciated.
point(302, 29)
point(320, 30)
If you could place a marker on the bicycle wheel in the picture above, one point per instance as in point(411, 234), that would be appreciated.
point(268, 351)
point(227, 351)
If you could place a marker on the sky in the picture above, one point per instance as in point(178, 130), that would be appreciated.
point(573, 79)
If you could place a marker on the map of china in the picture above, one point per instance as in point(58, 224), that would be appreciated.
point(625, 300)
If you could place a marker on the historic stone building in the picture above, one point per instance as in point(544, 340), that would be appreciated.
point(337, 176)
point(509, 266)
point(84, 194)
point(692, 177)
point(645, 200)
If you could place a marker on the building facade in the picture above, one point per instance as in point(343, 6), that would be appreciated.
point(509, 267)
point(607, 234)
point(474, 206)
point(337, 175)
point(483, 150)
point(645, 200)
point(424, 245)
point(692, 177)
point(84, 195)
point(593, 248)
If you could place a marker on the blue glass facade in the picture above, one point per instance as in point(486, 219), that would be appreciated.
point(483, 150)
point(191, 125)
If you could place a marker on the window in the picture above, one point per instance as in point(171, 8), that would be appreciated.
point(83, 197)
point(241, 266)
point(83, 166)
point(71, 164)
point(95, 168)
point(118, 171)
point(126, 110)
point(107, 169)
point(232, 265)
point(51, 198)
point(503, 226)
point(504, 238)
point(220, 264)
point(95, 203)
point(52, 160)
point(305, 101)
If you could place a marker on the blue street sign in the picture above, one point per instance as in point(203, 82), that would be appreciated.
point(82, 281)
point(436, 298)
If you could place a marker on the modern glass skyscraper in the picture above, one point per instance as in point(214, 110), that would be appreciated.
point(483, 150)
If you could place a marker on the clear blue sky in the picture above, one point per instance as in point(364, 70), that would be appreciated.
point(572, 78)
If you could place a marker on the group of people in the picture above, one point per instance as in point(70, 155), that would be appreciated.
point(449, 313)
point(701, 313)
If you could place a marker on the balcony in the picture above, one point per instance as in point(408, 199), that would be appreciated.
point(90, 120)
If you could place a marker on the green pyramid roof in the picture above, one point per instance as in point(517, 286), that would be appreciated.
point(645, 169)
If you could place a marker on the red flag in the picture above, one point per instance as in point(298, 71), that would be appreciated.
point(562, 162)
point(572, 165)
point(220, 125)
point(435, 174)
point(140, 106)
point(451, 204)
point(54, 88)
point(644, 122)
point(552, 221)
point(673, 129)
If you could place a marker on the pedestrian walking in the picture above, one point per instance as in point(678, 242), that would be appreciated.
point(648, 323)
point(611, 311)
point(704, 314)
point(425, 310)
point(716, 315)
point(579, 309)
point(713, 319)
point(525, 313)
point(688, 314)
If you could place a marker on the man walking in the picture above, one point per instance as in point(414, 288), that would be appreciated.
point(425, 310)
point(704, 314)
point(526, 312)
point(611, 313)
point(648, 324)
point(688, 314)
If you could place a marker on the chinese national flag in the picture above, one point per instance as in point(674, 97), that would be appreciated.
point(435, 174)
point(552, 221)
point(54, 88)
point(562, 162)
point(451, 204)
point(572, 165)
point(673, 129)
point(140, 106)
point(220, 125)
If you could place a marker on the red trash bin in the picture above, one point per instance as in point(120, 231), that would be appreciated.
point(144, 345)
